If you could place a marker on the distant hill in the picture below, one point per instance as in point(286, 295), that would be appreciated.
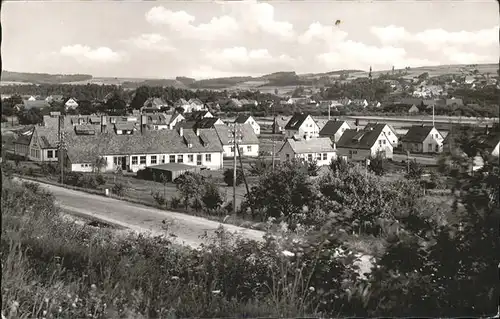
point(185, 80)
point(220, 83)
point(43, 78)
point(267, 81)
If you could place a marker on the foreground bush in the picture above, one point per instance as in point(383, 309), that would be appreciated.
point(53, 268)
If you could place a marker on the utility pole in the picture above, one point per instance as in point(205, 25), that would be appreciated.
point(408, 162)
point(234, 135)
point(432, 115)
point(274, 139)
point(62, 146)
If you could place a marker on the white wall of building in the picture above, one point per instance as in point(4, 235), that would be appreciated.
point(433, 143)
point(324, 158)
point(251, 150)
point(309, 128)
point(140, 161)
point(82, 167)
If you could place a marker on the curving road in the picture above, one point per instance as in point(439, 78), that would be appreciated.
point(184, 229)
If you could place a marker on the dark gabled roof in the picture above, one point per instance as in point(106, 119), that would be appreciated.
point(242, 118)
point(124, 126)
point(35, 104)
point(296, 121)
point(331, 128)
point(417, 133)
point(47, 136)
point(247, 134)
point(195, 116)
point(359, 139)
point(379, 126)
point(23, 139)
point(85, 148)
point(207, 122)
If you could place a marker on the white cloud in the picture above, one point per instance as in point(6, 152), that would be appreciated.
point(460, 57)
point(317, 31)
point(259, 17)
point(439, 38)
point(152, 42)
point(85, 53)
point(390, 33)
point(357, 55)
point(182, 22)
point(253, 61)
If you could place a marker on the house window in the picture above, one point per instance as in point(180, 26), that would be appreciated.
point(325, 156)
point(287, 157)
point(309, 157)
point(50, 153)
point(171, 159)
point(190, 158)
point(318, 157)
point(380, 142)
point(430, 147)
point(232, 149)
point(134, 160)
point(383, 142)
point(163, 159)
point(208, 158)
point(142, 160)
point(56, 154)
point(249, 148)
point(180, 158)
point(82, 165)
point(153, 159)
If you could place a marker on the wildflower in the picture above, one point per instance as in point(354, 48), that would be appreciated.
point(216, 292)
point(46, 300)
point(175, 278)
point(288, 253)
point(73, 305)
point(311, 289)
point(44, 312)
point(93, 287)
point(59, 309)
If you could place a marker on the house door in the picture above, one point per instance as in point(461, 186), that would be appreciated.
point(198, 159)
point(124, 162)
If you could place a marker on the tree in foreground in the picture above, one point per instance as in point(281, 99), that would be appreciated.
point(284, 193)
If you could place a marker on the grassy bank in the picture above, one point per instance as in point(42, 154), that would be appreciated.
point(54, 268)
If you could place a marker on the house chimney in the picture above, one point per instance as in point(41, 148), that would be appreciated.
point(143, 122)
point(103, 123)
point(181, 131)
point(487, 130)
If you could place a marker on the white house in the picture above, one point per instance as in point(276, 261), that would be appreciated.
point(321, 150)
point(137, 150)
point(248, 119)
point(334, 129)
point(413, 109)
point(247, 140)
point(302, 125)
point(43, 145)
point(422, 139)
point(71, 103)
point(358, 144)
point(388, 130)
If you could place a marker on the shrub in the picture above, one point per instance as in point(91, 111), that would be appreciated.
point(312, 168)
point(229, 177)
point(377, 165)
point(118, 189)
point(100, 179)
point(175, 202)
point(212, 198)
point(159, 198)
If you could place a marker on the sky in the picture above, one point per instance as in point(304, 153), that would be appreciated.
point(207, 39)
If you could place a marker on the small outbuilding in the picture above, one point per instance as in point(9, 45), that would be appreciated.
point(171, 170)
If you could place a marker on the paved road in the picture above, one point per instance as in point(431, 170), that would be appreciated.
point(186, 228)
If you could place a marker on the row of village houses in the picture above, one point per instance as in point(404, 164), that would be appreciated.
point(200, 139)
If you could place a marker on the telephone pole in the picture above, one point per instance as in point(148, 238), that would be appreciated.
point(234, 136)
point(61, 146)
point(274, 139)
